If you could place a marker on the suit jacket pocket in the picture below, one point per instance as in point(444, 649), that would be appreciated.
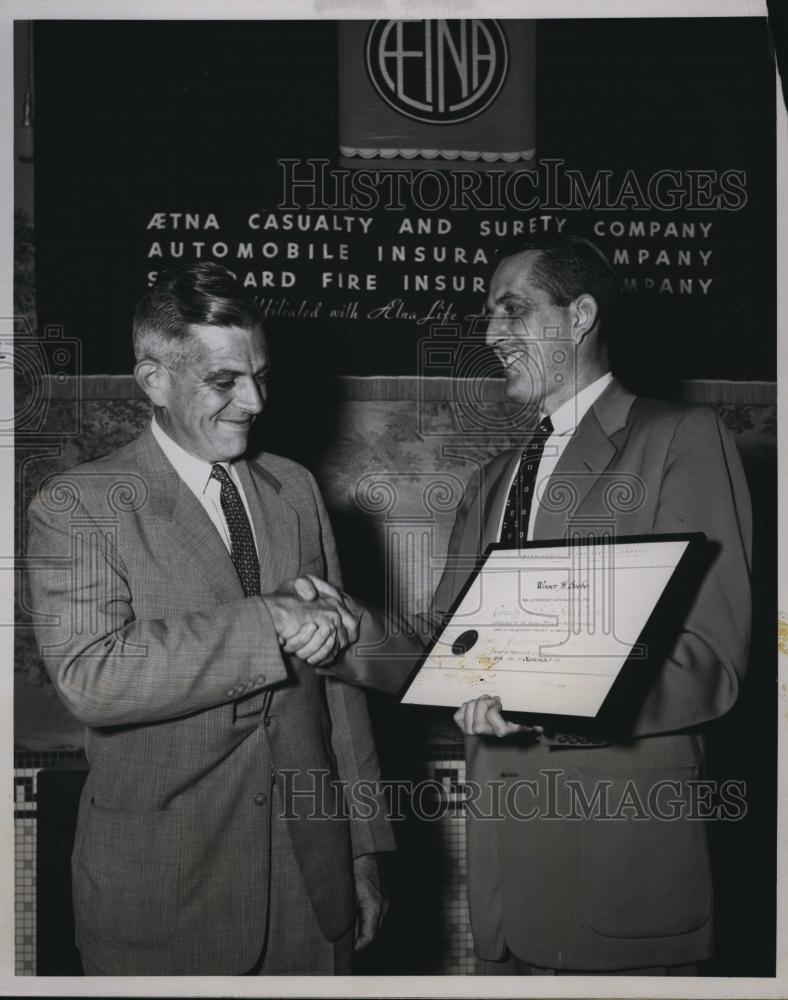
point(646, 873)
point(125, 875)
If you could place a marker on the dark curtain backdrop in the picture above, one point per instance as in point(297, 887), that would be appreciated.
point(134, 117)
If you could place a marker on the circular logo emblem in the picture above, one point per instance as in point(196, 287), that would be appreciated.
point(440, 72)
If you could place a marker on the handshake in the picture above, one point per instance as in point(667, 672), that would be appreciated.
point(313, 619)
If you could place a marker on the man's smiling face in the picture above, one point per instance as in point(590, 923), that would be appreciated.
point(212, 397)
point(525, 330)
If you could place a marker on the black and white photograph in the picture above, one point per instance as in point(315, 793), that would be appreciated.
point(391, 499)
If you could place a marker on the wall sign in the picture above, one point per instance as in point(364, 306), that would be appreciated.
point(235, 153)
point(439, 72)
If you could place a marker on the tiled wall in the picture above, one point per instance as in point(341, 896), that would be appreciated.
point(25, 869)
point(458, 958)
point(27, 765)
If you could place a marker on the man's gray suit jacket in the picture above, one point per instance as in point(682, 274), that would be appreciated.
point(147, 635)
point(595, 893)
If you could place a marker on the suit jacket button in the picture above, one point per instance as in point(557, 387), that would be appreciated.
point(260, 799)
point(267, 720)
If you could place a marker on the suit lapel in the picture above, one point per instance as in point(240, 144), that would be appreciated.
point(278, 546)
point(496, 500)
point(193, 532)
point(191, 535)
point(275, 525)
point(584, 460)
point(194, 535)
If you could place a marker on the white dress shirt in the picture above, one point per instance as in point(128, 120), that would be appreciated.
point(196, 474)
point(565, 420)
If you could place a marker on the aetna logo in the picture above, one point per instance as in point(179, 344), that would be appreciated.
point(440, 72)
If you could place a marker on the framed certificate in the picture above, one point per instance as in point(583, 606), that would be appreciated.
point(549, 626)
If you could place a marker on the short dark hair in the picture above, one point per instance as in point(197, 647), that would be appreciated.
point(569, 266)
point(202, 294)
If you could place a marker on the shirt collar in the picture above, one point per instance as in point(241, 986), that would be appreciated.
point(569, 414)
point(195, 472)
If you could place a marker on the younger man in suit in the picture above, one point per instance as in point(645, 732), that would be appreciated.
point(599, 863)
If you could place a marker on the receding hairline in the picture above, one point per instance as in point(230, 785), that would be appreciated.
point(520, 253)
point(526, 265)
point(538, 267)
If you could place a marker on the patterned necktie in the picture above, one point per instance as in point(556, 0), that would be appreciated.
point(242, 547)
point(514, 532)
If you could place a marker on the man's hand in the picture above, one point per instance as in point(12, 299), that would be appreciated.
point(312, 588)
point(482, 717)
point(315, 627)
point(371, 900)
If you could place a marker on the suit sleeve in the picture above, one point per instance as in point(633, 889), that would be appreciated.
point(111, 669)
point(389, 646)
point(465, 544)
point(352, 741)
point(702, 488)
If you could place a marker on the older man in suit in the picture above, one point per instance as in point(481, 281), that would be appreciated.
point(211, 837)
point(610, 873)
